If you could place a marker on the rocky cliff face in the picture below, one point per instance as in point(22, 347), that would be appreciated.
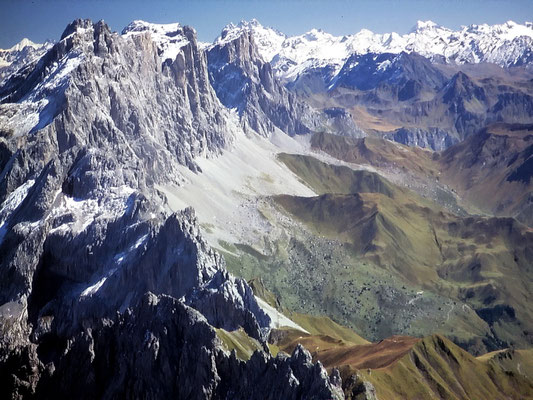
point(158, 348)
point(244, 81)
point(103, 291)
point(107, 128)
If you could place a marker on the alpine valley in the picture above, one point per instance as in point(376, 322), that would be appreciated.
point(267, 217)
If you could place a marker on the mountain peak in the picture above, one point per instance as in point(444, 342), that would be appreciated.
point(141, 26)
point(253, 23)
point(423, 25)
point(268, 40)
point(75, 26)
point(23, 43)
point(170, 38)
point(315, 34)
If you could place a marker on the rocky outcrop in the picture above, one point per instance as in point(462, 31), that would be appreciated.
point(160, 348)
point(431, 138)
point(104, 292)
point(244, 81)
point(342, 123)
point(359, 389)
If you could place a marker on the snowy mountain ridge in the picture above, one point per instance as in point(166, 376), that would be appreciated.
point(169, 37)
point(22, 53)
point(20, 45)
point(508, 44)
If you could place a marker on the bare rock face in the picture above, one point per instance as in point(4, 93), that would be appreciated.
point(430, 138)
point(359, 389)
point(160, 348)
point(244, 81)
point(107, 129)
point(104, 292)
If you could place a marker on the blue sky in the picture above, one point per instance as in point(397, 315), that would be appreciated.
point(40, 20)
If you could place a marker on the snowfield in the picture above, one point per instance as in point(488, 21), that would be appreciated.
point(505, 44)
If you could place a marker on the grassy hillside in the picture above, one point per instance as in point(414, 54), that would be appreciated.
point(514, 361)
point(239, 341)
point(489, 172)
point(483, 262)
point(435, 368)
point(410, 368)
point(324, 326)
point(377, 152)
point(493, 169)
point(385, 261)
point(325, 178)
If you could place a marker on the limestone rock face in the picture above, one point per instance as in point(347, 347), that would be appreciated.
point(104, 292)
point(110, 121)
point(244, 81)
point(430, 138)
point(159, 348)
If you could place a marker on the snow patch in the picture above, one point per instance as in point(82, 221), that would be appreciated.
point(168, 37)
point(13, 201)
point(91, 290)
point(119, 258)
point(277, 319)
point(83, 212)
point(39, 107)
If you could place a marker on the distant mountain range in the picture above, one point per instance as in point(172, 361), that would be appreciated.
point(506, 45)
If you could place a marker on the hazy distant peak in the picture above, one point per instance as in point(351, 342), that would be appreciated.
point(142, 26)
point(170, 38)
point(424, 25)
point(267, 39)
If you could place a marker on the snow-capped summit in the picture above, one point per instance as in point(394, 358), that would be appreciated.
point(168, 30)
point(315, 34)
point(23, 43)
point(315, 44)
point(23, 53)
point(423, 25)
point(170, 38)
point(268, 40)
point(507, 44)
point(253, 23)
point(24, 47)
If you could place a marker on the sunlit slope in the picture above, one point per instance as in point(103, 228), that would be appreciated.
point(435, 368)
point(406, 367)
point(379, 153)
point(490, 172)
point(484, 262)
point(515, 361)
point(410, 368)
point(493, 169)
point(326, 178)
